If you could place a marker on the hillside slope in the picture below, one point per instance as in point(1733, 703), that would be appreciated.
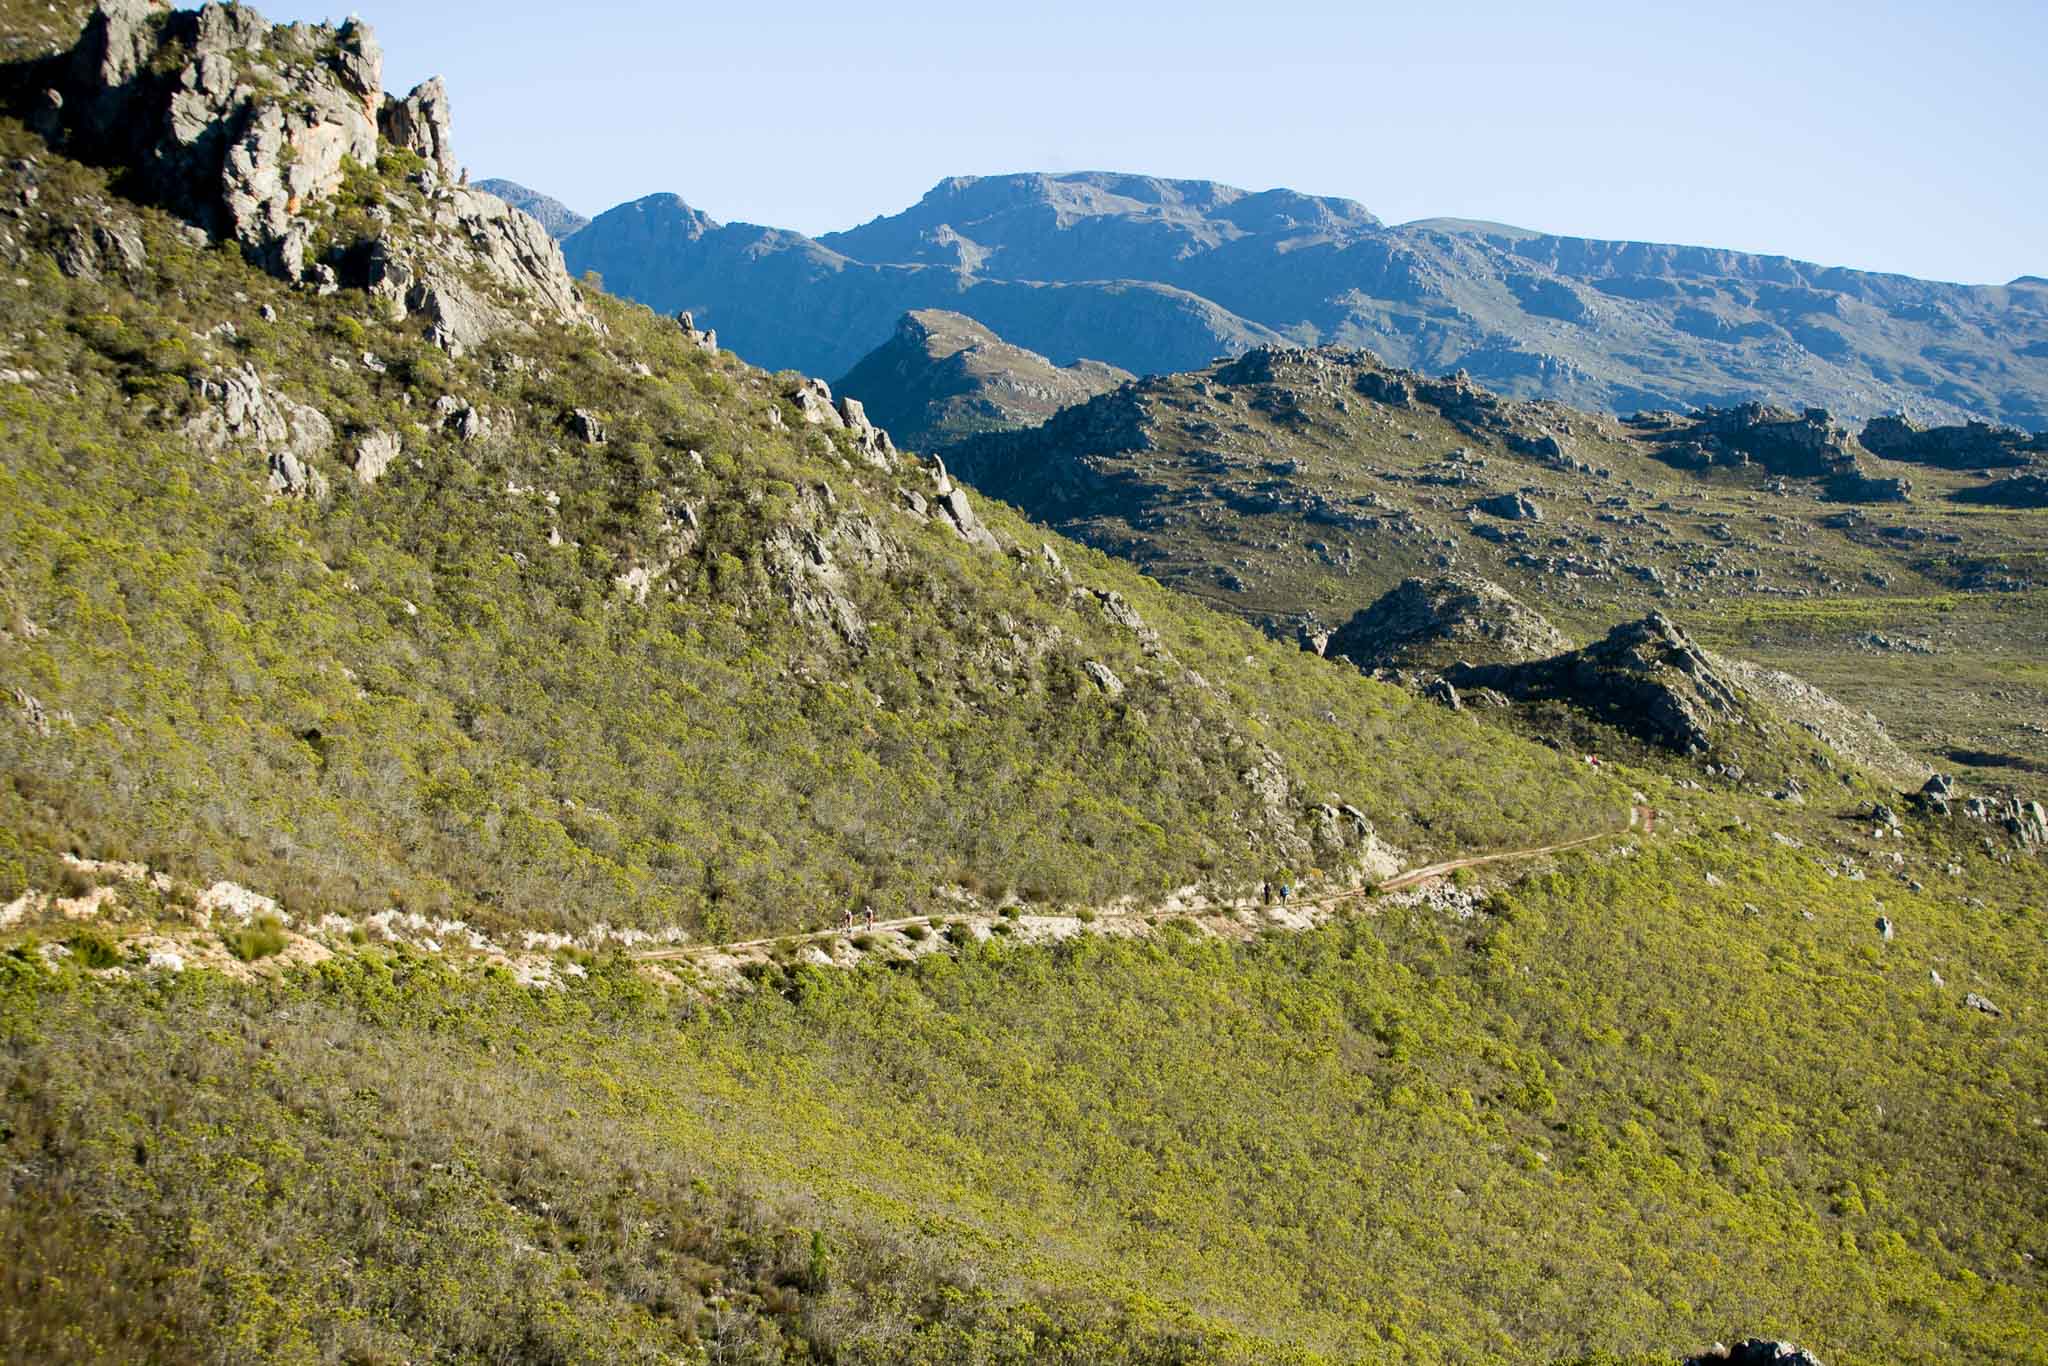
point(1070, 265)
point(396, 637)
point(1296, 486)
point(358, 592)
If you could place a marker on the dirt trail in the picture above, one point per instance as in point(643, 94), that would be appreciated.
point(1638, 816)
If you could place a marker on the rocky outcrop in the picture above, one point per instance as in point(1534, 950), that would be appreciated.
point(236, 407)
point(1808, 444)
point(943, 376)
point(1968, 446)
point(809, 557)
point(1646, 677)
point(419, 124)
point(249, 130)
point(1511, 507)
point(374, 453)
point(2027, 490)
point(1436, 623)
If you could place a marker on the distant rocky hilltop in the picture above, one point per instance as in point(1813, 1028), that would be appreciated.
point(558, 218)
point(943, 376)
point(1160, 275)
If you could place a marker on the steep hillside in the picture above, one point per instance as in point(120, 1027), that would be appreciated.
point(1612, 326)
point(366, 592)
point(417, 669)
point(944, 376)
point(1297, 486)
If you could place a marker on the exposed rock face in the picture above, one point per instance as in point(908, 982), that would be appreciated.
point(1970, 446)
point(374, 454)
point(808, 560)
point(419, 124)
point(1651, 680)
point(1512, 507)
point(1436, 623)
point(237, 408)
point(943, 376)
point(247, 129)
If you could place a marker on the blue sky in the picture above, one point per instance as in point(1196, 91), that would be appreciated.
point(1881, 136)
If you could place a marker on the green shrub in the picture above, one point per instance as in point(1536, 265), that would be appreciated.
point(1010, 912)
point(93, 950)
point(1086, 915)
point(262, 937)
point(1002, 927)
point(916, 934)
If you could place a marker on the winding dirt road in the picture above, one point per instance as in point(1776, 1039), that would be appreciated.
point(1638, 817)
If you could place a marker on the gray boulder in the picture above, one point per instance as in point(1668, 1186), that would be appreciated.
point(374, 454)
point(1511, 507)
point(1104, 677)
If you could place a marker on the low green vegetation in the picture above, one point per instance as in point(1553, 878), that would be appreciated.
point(1631, 1106)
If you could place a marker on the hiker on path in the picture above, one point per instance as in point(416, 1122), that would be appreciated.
point(870, 912)
point(846, 919)
point(1265, 893)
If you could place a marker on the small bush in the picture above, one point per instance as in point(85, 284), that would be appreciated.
point(260, 938)
point(916, 934)
point(958, 933)
point(1010, 912)
point(864, 942)
point(1085, 916)
point(1002, 927)
point(93, 950)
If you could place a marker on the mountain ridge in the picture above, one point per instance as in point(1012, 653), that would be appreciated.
point(1607, 324)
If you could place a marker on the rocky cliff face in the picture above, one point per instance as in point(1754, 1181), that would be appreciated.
point(251, 131)
point(943, 376)
point(1068, 265)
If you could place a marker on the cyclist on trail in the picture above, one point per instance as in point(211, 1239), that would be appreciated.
point(870, 912)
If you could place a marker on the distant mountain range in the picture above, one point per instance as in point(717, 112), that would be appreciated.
point(1162, 275)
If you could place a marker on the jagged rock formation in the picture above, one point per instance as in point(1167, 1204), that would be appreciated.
point(249, 130)
point(1795, 445)
point(1156, 275)
point(558, 218)
point(1970, 446)
point(1439, 623)
point(943, 376)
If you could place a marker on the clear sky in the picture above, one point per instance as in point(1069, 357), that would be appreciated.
point(1884, 136)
